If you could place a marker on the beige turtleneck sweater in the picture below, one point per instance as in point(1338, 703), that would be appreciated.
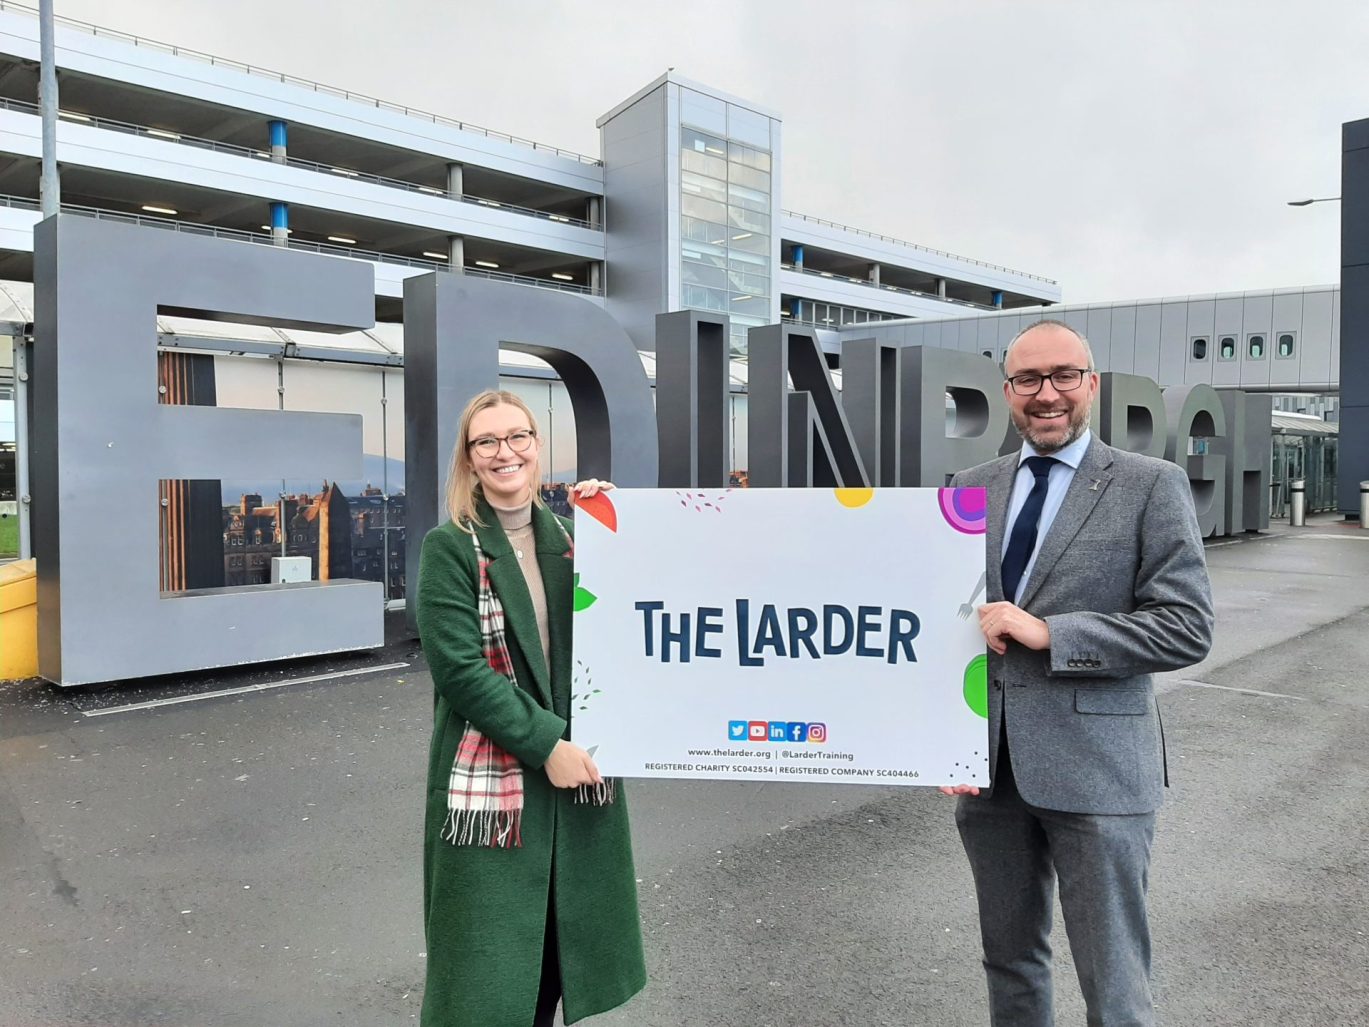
point(517, 525)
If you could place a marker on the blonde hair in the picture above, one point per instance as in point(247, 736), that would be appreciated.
point(463, 487)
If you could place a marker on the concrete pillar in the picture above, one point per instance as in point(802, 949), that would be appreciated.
point(796, 310)
point(941, 288)
point(998, 300)
point(456, 180)
point(595, 212)
point(874, 274)
point(278, 142)
point(798, 257)
point(596, 277)
point(456, 254)
point(280, 223)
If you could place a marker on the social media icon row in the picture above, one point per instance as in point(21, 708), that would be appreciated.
point(776, 731)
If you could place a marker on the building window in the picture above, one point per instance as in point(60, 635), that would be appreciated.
point(1199, 348)
point(1226, 348)
point(1255, 347)
point(1283, 350)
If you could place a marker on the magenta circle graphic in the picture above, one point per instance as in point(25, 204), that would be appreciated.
point(964, 509)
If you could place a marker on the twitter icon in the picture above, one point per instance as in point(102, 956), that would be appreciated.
point(736, 730)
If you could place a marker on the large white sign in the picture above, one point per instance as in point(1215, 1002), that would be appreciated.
point(782, 635)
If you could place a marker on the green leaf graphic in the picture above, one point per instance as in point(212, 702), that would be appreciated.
point(583, 600)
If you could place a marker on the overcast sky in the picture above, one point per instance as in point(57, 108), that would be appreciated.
point(1128, 150)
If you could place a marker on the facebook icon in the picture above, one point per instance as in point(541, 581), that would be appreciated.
point(798, 732)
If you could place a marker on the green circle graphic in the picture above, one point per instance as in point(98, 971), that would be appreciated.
point(977, 685)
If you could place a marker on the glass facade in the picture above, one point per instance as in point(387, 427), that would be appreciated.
point(725, 229)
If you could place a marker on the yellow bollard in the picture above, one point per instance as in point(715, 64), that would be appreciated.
point(18, 620)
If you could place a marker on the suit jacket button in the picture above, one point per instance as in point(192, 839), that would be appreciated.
point(1073, 663)
point(997, 686)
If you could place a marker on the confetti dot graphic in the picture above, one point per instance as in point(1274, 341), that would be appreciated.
point(964, 509)
point(853, 498)
point(976, 688)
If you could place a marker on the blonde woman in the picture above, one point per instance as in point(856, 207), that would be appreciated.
point(528, 886)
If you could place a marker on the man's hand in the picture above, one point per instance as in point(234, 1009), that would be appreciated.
point(1001, 622)
point(569, 766)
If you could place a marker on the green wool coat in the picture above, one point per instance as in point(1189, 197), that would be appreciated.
point(485, 909)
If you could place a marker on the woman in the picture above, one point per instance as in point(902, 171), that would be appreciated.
point(529, 895)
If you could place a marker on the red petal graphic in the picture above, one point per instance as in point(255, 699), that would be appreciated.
point(600, 508)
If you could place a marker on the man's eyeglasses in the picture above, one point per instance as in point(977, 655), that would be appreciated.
point(1067, 379)
point(519, 442)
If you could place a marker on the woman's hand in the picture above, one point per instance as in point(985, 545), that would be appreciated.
point(569, 766)
point(590, 487)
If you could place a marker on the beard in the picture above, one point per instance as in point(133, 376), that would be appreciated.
point(1078, 422)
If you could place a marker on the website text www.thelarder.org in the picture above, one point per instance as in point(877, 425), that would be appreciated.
point(785, 754)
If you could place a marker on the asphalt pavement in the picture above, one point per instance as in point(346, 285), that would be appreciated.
point(170, 854)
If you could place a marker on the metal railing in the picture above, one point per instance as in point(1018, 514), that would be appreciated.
point(238, 235)
point(317, 87)
point(163, 135)
point(833, 276)
point(912, 245)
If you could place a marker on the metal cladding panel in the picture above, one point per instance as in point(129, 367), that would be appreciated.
point(1354, 206)
point(1257, 317)
point(1354, 384)
point(1314, 343)
point(1099, 334)
point(1227, 323)
point(1147, 348)
point(1122, 340)
point(1201, 317)
point(1008, 327)
point(1076, 317)
point(1286, 320)
point(987, 336)
point(637, 209)
point(967, 336)
point(1336, 307)
point(1173, 342)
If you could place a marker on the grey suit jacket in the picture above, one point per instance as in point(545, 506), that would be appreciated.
point(1121, 580)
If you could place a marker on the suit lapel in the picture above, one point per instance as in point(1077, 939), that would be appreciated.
point(554, 559)
point(999, 492)
point(520, 620)
point(1089, 483)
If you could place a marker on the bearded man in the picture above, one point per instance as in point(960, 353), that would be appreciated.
point(1096, 581)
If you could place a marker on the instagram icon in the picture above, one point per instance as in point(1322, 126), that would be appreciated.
point(817, 734)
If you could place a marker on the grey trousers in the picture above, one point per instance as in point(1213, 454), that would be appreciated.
point(1016, 852)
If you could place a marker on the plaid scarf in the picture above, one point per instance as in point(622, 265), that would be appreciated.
point(485, 791)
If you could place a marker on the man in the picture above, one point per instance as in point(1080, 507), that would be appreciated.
point(1096, 581)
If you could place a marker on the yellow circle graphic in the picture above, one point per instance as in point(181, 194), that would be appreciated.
point(854, 497)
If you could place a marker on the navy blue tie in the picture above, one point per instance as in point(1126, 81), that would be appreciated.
point(1023, 538)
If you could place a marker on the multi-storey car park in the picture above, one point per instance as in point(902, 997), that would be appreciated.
point(177, 138)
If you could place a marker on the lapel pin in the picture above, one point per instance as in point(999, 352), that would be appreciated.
point(1097, 484)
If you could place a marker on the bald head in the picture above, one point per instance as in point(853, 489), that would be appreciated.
point(1057, 333)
